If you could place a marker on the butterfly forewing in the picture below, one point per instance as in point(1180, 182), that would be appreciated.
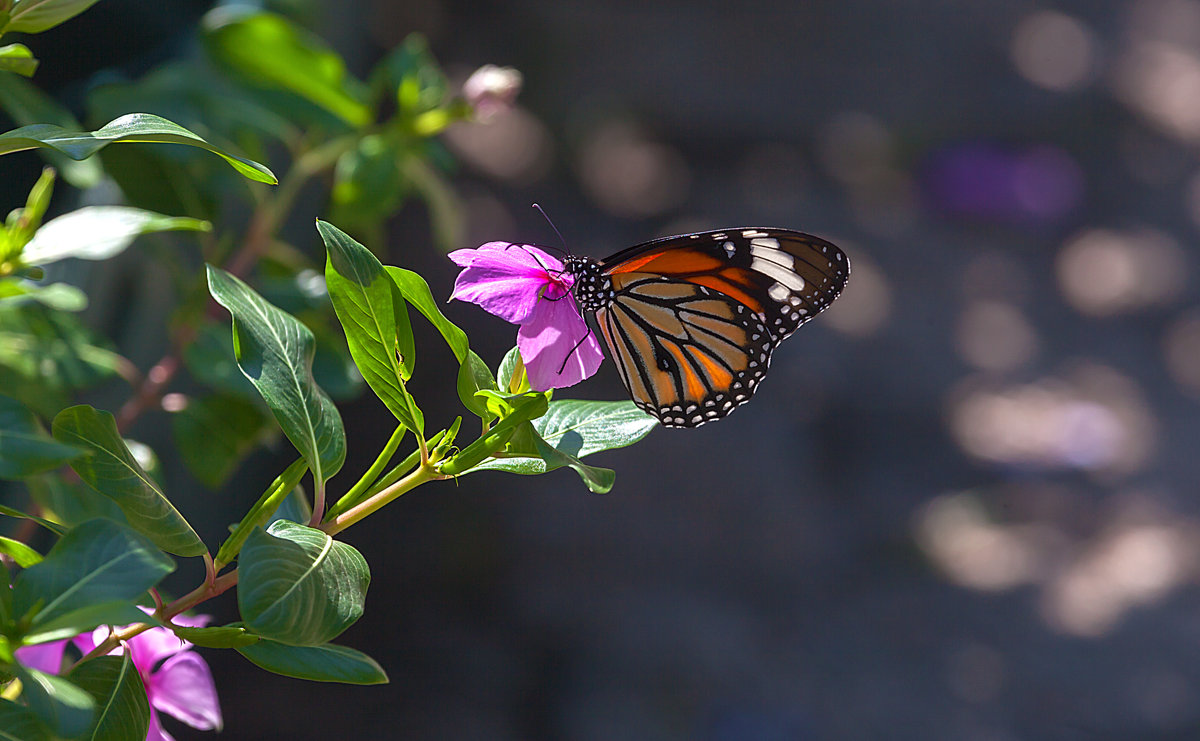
point(691, 321)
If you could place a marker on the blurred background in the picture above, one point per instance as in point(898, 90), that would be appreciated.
point(964, 503)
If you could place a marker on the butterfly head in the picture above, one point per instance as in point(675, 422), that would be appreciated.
point(592, 287)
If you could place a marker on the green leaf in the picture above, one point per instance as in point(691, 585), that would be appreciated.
point(585, 427)
point(416, 291)
point(367, 183)
point(410, 73)
point(214, 433)
point(533, 406)
point(474, 376)
point(263, 509)
point(112, 470)
point(327, 663)
point(71, 502)
point(510, 376)
point(96, 562)
point(100, 232)
point(53, 527)
point(275, 351)
point(24, 448)
point(224, 636)
point(298, 586)
point(23, 222)
point(44, 354)
point(21, 554)
point(26, 104)
point(210, 359)
point(122, 708)
point(572, 429)
point(19, 59)
point(375, 319)
point(61, 296)
point(84, 619)
point(59, 704)
point(35, 16)
point(133, 127)
point(271, 51)
point(18, 723)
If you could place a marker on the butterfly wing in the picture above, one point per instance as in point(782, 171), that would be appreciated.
point(694, 319)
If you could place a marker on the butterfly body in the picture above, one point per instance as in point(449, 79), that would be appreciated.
point(692, 321)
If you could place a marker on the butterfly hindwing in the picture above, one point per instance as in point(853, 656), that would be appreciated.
point(686, 353)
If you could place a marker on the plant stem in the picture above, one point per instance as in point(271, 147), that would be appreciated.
point(372, 473)
point(423, 474)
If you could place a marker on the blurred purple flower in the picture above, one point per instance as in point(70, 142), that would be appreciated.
point(1008, 184)
point(181, 686)
point(491, 90)
point(45, 657)
point(528, 287)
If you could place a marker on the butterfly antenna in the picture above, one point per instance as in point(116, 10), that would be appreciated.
point(552, 226)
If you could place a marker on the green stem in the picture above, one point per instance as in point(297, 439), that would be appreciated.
point(422, 475)
point(368, 478)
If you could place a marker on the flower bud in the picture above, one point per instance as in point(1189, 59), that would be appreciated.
point(491, 90)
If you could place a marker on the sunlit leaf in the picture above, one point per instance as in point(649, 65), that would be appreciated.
point(35, 16)
point(99, 232)
point(572, 429)
point(21, 554)
point(133, 127)
point(375, 319)
point(19, 59)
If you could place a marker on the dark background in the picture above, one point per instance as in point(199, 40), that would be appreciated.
point(963, 505)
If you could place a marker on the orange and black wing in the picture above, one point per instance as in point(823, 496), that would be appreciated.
point(694, 319)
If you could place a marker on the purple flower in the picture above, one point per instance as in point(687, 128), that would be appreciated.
point(528, 287)
point(45, 657)
point(181, 686)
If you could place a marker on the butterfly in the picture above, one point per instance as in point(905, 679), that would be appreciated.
point(692, 320)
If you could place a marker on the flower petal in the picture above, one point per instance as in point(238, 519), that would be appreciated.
point(156, 644)
point(507, 279)
point(555, 333)
point(45, 657)
point(183, 688)
point(157, 732)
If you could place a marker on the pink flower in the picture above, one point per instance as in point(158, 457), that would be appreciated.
point(528, 287)
point(45, 657)
point(181, 686)
point(491, 90)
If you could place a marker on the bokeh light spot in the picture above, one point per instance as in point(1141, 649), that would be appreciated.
point(1053, 50)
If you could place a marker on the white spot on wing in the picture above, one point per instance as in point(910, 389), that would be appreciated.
point(779, 292)
point(778, 272)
